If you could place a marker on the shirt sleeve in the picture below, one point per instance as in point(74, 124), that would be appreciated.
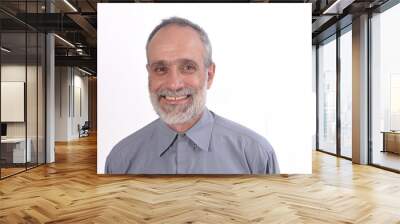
point(272, 164)
point(262, 158)
point(118, 161)
point(113, 161)
point(107, 168)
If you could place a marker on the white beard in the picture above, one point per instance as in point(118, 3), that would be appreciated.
point(178, 114)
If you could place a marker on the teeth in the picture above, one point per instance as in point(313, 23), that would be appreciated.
point(175, 98)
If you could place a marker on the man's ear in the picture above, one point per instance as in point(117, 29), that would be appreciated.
point(210, 75)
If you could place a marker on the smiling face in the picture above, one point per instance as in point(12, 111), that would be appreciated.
point(178, 77)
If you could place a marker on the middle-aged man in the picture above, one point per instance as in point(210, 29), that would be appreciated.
point(187, 138)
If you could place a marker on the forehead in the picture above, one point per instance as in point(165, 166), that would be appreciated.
point(175, 42)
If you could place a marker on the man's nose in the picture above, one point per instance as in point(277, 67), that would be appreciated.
point(174, 79)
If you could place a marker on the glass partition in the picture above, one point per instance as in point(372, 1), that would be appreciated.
point(41, 109)
point(31, 100)
point(327, 96)
point(385, 89)
point(22, 63)
point(346, 93)
point(14, 153)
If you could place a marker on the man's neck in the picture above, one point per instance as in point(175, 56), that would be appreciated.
point(181, 128)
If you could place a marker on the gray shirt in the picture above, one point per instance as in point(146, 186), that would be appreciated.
point(214, 145)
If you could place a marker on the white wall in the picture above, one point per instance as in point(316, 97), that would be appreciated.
point(67, 116)
point(61, 103)
point(80, 83)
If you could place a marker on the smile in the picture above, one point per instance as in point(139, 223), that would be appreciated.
point(175, 100)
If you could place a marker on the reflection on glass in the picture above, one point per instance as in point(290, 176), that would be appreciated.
point(386, 89)
point(31, 101)
point(346, 94)
point(395, 102)
point(41, 97)
point(14, 153)
point(327, 96)
point(22, 90)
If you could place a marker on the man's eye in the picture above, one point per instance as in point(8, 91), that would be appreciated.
point(189, 68)
point(160, 69)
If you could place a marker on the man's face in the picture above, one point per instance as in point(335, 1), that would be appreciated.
point(178, 78)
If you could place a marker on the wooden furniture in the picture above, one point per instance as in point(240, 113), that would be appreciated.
point(391, 141)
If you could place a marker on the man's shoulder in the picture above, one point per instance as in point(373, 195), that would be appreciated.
point(131, 143)
point(258, 152)
point(228, 127)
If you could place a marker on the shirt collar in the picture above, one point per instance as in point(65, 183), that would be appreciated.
point(165, 137)
point(200, 133)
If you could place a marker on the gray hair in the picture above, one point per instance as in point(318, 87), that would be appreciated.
point(184, 22)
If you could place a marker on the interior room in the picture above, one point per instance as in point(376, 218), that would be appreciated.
point(385, 90)
point(22, 102)
point(49, 127)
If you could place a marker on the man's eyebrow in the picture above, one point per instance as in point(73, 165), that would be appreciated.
point(181, 60)
point(161, 62)
point(185, 60)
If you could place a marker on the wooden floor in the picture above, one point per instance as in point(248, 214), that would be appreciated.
point(388, 159)
point(10, 171)
point(70, 191)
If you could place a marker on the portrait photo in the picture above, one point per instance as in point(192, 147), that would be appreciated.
point(196, 89)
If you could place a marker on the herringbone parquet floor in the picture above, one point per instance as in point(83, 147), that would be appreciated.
point(70, 191)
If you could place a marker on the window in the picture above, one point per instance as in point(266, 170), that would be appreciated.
point(327, 96)
point(346, 93)
point(385, 88)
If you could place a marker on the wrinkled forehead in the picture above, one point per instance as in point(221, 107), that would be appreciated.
point(178, 62)
point(174, 42)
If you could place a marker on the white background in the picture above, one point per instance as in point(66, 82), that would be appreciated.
point(263, 74)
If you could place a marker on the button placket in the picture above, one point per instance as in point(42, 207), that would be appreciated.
point(179, 153)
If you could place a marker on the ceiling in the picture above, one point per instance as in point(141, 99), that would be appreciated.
point(76, 22)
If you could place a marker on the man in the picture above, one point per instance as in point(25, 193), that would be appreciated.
point(187, 138)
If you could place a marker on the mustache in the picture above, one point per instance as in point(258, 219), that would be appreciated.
point(175, 93)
